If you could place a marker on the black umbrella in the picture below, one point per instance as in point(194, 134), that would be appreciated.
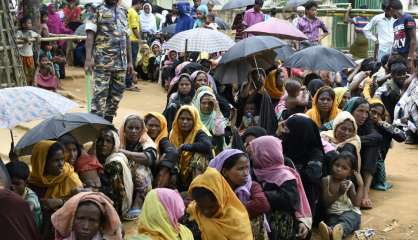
point(221, 23)
point(238, 4)
point(83, 126)
point(249, 53)
point(284, 52)
point(319, 58)
point(251, 46)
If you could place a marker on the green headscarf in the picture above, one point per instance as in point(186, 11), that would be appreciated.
point(207, 119)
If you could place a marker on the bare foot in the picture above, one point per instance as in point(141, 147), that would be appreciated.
point(366, 203)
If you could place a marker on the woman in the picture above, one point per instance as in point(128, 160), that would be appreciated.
point(148, 22)
point(303, 145)
point(201, 78)
point(378, 116)
point(342, 95)
point(252, 133)
point(324, 106)
point(87, 166)
point(72, 14)
point(344, 138)
point(141, 152)
point(144, 62)
point(193, 142)
point(160, 218)
point(184, 94)
point(87, 215)
point(274, 85)
point(211, 116)
point(201, 13)
point(371, 142)
point(217, 210)
point(117, 178)
point(291, 214)
point(54, 23)
point(158, 132)
point(52, 179)
point(234, 166)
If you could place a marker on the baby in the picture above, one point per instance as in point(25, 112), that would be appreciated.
point(297, 97)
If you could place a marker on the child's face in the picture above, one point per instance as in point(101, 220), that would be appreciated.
point(207, 205)
point(155, 49)
point(377, 113)
point(250, 108)
point(73, 152)
point(18, 185)
point(44, 61)
point(341, 169)
point(173, 55)
point(44, 18)
point(163, 178)
point(28, 25)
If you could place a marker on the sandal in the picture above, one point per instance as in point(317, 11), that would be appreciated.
point(132, 214)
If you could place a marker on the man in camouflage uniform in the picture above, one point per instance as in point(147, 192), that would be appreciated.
point(107, 33)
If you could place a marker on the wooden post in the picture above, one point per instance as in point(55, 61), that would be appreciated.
point(11, 69)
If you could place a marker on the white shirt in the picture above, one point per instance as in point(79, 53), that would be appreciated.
point(296, 20)
point(384, 29)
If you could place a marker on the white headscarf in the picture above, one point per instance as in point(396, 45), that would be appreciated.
point(148, 20)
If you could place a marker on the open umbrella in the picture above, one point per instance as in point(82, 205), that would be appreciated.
point(216, 2)
point(169, 30)
point(284, 52)
point(319, 58)
point(239, 60)
point(278, 28)
point(221, 23)
point(250, 46)
point(238, 4)
point(83, 126)
point(199, 40)
point(24, 104)
point(295, 3)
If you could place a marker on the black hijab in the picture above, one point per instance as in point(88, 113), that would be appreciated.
point(302, 141)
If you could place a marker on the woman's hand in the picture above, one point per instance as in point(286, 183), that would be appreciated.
point(303, 231)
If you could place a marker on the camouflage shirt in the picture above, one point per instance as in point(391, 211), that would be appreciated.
point(110, 25)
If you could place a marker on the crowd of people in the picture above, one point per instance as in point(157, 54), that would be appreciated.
point(286, 152)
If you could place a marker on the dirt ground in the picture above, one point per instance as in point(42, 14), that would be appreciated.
point(395, 213)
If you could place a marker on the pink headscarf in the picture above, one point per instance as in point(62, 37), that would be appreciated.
point(173, 204)
point(63, 218)
point(269, 167)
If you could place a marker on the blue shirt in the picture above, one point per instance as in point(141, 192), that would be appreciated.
point(401, 29)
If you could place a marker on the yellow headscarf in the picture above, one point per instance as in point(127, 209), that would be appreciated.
point(339, 94)
point(57, 186)
point(154, 221)
point(176, 138)
point(314, 114)
point(163, 126)
point(373, 101)
point(270, 86)
point(231, 221)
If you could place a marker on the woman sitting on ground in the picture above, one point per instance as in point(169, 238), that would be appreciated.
point(291, 215)
point(160, 217)
point(211, 116)
point(234, 166)
point(324, 106)
point(193, 142)
point(117, 177)
point(217, 210)
point(157, 130)
point(52, 179)
point(141, 152)
point(89, 216)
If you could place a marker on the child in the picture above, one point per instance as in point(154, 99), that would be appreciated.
point(341, 199)
point(26, 52)
point(46, 50)
point(19, 174)
point(44, 77)
point(166, 175)
point(44, 24)
point(297, 97)
point(210, 22)
point(58, 58)
point(249, 119)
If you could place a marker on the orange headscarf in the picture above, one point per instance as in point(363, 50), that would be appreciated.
point(163, 126)
point(176, 137)
point(314, 114)
point(144, 139)
point(231, 221)
point(271, 87)
point(57, 186)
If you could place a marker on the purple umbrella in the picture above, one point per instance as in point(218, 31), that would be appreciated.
point(278, 28)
